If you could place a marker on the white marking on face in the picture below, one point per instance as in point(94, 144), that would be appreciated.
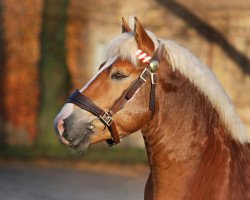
point(108, 63)
point(58, 122)
point(65, 112)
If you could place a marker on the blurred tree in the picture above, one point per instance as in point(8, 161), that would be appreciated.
point(77, 42)
point(54, 78)
point(2, 74)
point(20, 31)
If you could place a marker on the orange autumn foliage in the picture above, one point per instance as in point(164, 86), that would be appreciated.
point(75, 43)
point(21, 25)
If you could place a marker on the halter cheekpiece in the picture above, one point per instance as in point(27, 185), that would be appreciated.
point(105, 117)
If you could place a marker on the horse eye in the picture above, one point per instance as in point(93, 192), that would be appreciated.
point(118, 76)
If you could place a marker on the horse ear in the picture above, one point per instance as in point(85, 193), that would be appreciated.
point(159, 53)
point(143, 40)
point(125, 26)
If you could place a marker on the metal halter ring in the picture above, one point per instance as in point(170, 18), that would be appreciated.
point(92, 127)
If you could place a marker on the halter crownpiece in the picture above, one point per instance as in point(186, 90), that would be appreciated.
point(105, 117)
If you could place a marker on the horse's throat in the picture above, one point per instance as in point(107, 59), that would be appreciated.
point(171, 164)
point(176, 139)
point(192, 156)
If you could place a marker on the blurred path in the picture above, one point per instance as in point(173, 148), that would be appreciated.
point(34, 182)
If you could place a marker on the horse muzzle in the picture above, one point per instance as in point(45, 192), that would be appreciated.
point(74, 130)
point(78, 128)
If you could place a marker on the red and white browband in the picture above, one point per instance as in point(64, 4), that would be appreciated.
point(143, 57)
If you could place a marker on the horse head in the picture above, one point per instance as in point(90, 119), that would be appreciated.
point(119, 99)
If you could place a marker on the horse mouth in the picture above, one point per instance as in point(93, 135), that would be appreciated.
point(80, 142)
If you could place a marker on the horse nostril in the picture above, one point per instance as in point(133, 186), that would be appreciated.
point(65, 134)
point(60, 127)
point(64, 125)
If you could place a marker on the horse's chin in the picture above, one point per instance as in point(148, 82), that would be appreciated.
point(81, 141)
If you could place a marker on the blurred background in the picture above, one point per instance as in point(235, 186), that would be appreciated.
point(50, 47)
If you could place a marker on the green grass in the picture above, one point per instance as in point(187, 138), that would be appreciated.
point(94, 154)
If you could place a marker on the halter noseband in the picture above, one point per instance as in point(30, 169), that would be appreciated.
point(105, 117)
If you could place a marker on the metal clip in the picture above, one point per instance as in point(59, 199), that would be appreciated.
point(92, 127)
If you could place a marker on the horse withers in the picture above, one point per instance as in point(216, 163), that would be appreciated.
point(197, 147)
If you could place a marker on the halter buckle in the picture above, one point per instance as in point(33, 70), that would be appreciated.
point(106, 118)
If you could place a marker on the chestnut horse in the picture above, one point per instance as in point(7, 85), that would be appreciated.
point(196, 145)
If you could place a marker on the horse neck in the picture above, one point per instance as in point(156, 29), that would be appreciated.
point(185, 139)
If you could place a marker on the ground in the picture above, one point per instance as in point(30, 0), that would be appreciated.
point(50, 180)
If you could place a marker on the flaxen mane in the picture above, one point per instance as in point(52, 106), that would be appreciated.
point(125, 46)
